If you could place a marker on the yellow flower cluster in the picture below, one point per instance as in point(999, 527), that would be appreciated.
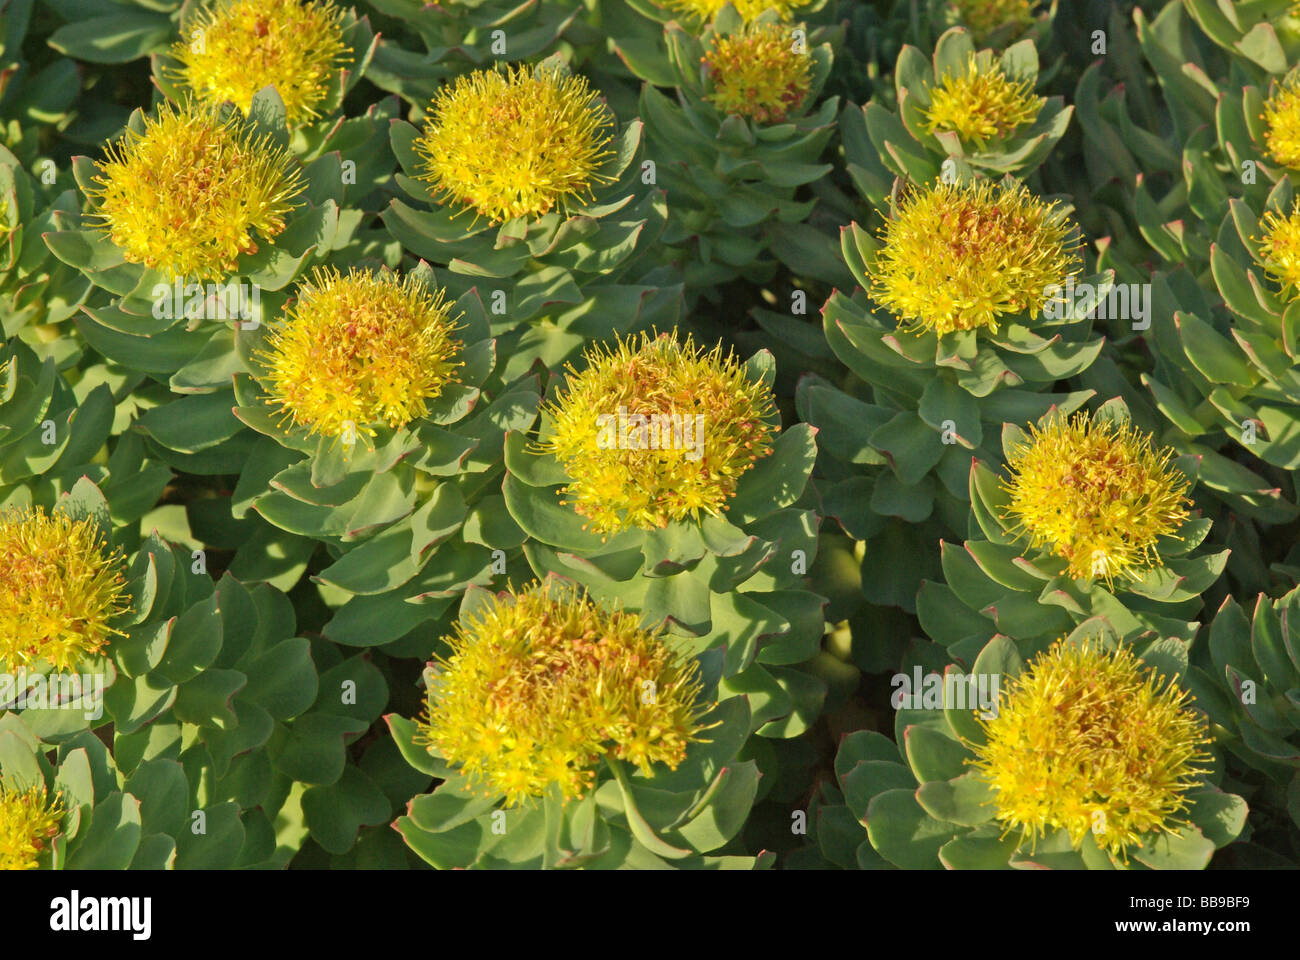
point(1096, 494)
point(1279, 249)
point(186, 196)
point(656, 431)
point(27, 823)
point(541, 684)
point(236, 49)
point(1282, 123)
point(705, 10)
point(981, 104)
point(359, 350)
point(758, 73)
point(59, 590)
point(1089, 741)
point(983, 17)
point(959, 256)
point(515, 143)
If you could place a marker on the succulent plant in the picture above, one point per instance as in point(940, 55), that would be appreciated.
point(720, 548)
point(621, 758)
point(566, 262)
point(109, 32)
point(36, 290)
point(1221, 360)
point(187, 786)
point(1253, 655)
point(58, 612)
point(954, 791)
point(65, 807)
point(997, 22)
point(746, 131)
point(1121, 549)
point(122, 243)
point(432, 43)
point(388, 492)
point(1262, 38)
point(230, 52)
point(453, 364)
point(174, 333)
point(988, 347)
point(106, 625)
point(963, 112)
point(313, 53)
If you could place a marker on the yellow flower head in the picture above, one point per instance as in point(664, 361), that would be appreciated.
point(981, 104)
point(59, 590)
point(1096, 494)
point(757, 73)
point(959, 256)
point(542, 683)
point(186, 196)
point(235, 49)
point(1089, 741)
point(657, 431)
point(1279, 249)
point(1282, 122)
point(27, 824)
point(983, 17)
point(359, 350)
point(703, 11)
point(515, 143)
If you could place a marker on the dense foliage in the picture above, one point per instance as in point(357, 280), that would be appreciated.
point(645, 433)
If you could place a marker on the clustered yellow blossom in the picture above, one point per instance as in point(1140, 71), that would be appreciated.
point(758, 73)
point(983, 17)
point(515, 143)
point(28, 822)
point(959, 256)
point(1090, 741)
point(705, 10)
point(233, 50)
point(1282, 123)
point(359, 350)
point(186, 196)
point(1096, 494)
point(656, 431)
point(1279, 249)
point(542, 683)
point(981, 104)
point(59, 589)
